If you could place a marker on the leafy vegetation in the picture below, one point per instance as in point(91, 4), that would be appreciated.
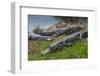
point(73, 20)
point(37, 29)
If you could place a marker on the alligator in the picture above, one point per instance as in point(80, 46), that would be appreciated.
point(65, 41)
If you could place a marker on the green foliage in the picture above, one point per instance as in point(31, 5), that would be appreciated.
point(71, 19)
point(37, 29)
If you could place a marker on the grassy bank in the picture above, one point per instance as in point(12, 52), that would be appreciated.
point(78, 50)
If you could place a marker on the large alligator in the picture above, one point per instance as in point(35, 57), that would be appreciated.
point(45, 35)
point(65, 41)
point(62, 31)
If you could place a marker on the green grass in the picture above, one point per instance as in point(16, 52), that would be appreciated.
point(78, 50)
